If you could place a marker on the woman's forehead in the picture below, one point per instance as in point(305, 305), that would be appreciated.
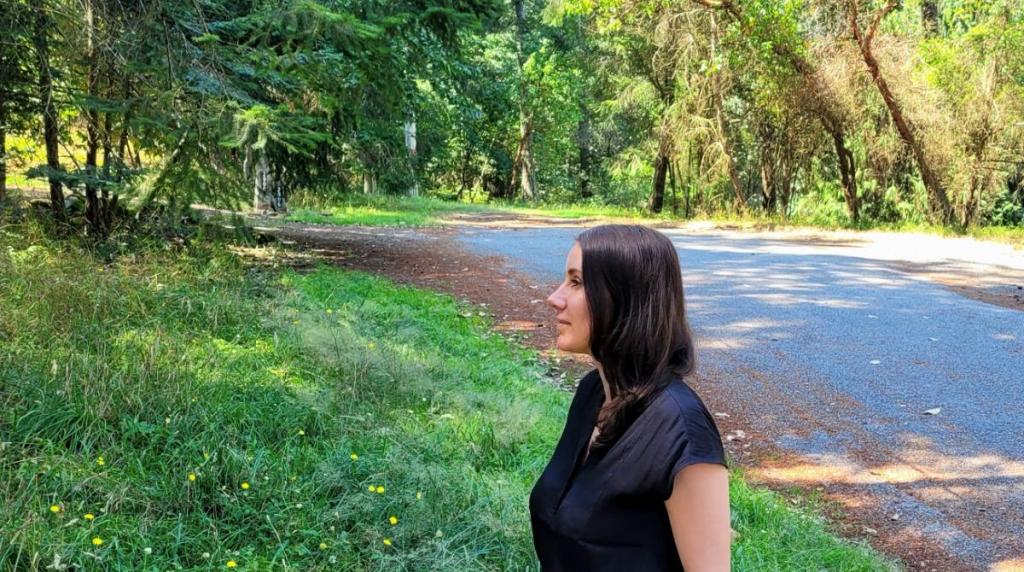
point(574, 260)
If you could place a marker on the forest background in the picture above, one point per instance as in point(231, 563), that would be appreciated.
point(829, 112)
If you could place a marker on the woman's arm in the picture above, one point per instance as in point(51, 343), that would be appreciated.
point(699, 513)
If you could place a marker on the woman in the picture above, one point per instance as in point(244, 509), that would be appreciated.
point(637, 481)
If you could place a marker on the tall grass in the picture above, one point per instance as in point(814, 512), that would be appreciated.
point(177, 409)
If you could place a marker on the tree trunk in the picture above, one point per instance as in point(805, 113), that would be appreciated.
point(734, 177)
point(107, 204)
point(464, 172)
point(978, 182)
point(716, 87)
point(847, 172)
point(767, 186)
point(906, 130)
point(41, 26)
point(263, 190)
point(930, 17)
point(410, 147)
point(524, 157)
point(92, 206)
point(691, 169)
point(369, 183)
point(3, 154)
point(122, 140)
point(673, 187)
point(785, 181)
point(528, 177)
point(657, 200)
point(583, 141)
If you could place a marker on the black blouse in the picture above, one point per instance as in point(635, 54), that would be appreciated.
point(609, 514)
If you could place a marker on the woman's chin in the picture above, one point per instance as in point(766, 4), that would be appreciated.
point(568, 346)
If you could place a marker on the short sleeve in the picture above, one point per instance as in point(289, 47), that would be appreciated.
point(690, 439)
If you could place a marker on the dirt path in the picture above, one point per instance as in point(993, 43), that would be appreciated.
point(431, 259)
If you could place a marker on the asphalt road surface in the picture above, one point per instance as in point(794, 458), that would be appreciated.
point(874, 378)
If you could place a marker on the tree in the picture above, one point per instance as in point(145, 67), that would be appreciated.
point(16, 97)
point(523, 160)
point(907, 132)
point(41, 30)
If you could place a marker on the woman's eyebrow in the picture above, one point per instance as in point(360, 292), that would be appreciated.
point(573, 271)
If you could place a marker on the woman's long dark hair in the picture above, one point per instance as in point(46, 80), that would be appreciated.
point(639, 333)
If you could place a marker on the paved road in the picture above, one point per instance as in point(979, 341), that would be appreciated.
point(835, 355)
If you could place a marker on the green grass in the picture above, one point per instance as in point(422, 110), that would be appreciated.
point(389, 210)
point(378, 210)
point(123, 377)
point(386, 210)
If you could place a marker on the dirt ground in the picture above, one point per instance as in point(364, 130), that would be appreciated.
point(425, 259)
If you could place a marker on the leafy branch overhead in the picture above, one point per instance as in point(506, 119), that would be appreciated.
point(852, 112)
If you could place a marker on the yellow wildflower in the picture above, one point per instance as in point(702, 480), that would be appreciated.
point(232, 563)
point(371, 345)
point(323, 546)
point(97, 541)
point(100, 461)
point(295, 323)
point(54, 509)
point(380, 489)
point(301, 432)
point(354, 457)
point(393, 520)
point(419, 496)
point(330, 311)
point(89, 516)
point(372, 488)
point(387, 542)
point(192, 477)
point(245, 486)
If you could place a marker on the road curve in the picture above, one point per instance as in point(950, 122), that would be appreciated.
point(876, 379)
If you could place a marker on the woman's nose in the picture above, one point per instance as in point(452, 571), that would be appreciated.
point(556, 301)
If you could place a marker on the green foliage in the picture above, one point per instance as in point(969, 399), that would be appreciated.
point(745, 99)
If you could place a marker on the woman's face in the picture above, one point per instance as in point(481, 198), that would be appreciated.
point(572, 314)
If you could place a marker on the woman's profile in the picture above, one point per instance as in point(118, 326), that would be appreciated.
point(637, 480)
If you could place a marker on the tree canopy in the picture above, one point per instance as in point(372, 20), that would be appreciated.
point(835, 110)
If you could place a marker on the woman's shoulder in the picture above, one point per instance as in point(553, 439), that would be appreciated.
point(679, 395)
point(679, 404)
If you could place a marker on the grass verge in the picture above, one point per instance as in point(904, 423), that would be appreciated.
point(385, 210)
point(178, 409)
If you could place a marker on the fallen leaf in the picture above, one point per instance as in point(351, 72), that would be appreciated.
point(934, 411)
